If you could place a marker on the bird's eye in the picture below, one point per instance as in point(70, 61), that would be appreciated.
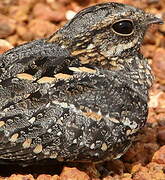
point(123, 27)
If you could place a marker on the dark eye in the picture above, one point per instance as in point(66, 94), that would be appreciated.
point(123, 27)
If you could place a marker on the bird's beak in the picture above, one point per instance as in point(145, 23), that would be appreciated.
point(152, 19)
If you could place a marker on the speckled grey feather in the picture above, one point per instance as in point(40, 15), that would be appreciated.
point(80, 95)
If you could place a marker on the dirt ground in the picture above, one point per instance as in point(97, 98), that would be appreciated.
point(24, 20)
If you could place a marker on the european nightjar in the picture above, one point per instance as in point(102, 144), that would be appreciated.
point(79, 95)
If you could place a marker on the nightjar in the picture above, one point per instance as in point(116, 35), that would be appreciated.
point(79, 95)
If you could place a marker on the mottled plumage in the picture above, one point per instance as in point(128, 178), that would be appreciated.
point(80, 95)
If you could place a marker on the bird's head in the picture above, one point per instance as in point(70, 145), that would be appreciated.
point(110, 29)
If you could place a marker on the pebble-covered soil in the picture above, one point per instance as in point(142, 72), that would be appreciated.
point(24, 20)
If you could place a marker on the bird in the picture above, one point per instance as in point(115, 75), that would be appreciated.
point(79, 95)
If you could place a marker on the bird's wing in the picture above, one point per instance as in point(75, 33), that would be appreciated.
point(32, 83)
point(21, 87)
point(36, 108)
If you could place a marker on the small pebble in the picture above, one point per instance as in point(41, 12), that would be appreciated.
point(4, 46)
point(70, 14)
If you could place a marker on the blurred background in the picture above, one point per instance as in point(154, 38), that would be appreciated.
point(25, 20)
